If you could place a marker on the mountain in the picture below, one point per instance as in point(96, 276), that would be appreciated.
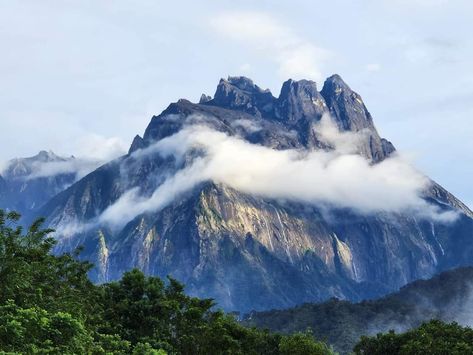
point(265, 202)
point(447, 296)
point(28, 183)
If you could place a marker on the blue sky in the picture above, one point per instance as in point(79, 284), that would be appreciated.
point(83, 77)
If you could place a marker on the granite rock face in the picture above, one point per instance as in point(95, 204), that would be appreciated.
point(250, 252)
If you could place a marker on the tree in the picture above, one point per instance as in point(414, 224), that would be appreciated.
point(302, 344)
point(48, 305)
point(434, 337)
point(32, 276)
point(35, 330)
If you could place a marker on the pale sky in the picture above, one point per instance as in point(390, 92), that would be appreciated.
point(83, 77)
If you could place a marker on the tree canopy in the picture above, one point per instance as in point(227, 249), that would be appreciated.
point(49, 306)
point(434, 337)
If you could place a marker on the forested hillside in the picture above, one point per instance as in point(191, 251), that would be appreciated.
point(447, 296)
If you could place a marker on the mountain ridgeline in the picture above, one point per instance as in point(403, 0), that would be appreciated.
point(25, 187)
point(246, 250)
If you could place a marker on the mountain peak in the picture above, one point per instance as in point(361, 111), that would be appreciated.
point(304, 82)
point(300, 100)
point(23, 166)
point(212, 238)
point(239, 92)
point(204, 98)
point(335, 84)
point(305, 88)
point(138, 143)
point(244, 83)
point(44, 155)
point(345, 105)
point(241, 82)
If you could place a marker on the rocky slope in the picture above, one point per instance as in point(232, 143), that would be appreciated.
point(248, 251)
point(28, 183)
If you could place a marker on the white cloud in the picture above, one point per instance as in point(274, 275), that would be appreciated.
point(92, 151)
point(97, 147)
point(82, 68)
point(248, 125)
point(336, 178)
point(3, 166)
point(345, 142)
point(79, 167)
point(295, 56)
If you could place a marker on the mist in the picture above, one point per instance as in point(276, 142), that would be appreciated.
point(29, 169)
point(79, 167)
point(338, 178)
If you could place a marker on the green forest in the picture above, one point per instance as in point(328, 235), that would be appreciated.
point(48, 305)
point(446, 296)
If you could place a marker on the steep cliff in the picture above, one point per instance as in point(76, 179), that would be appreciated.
point(251, 250)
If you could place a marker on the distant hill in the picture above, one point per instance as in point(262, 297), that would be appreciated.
point(447, 296)
point(28, 183)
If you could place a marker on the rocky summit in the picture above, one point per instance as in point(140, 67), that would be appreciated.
point(248, 250)
point(28, 183)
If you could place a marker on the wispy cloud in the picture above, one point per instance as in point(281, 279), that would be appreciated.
point(97, 147)
point(339, 178)
point(295, 56)
point(93, 151)
point(79, 167)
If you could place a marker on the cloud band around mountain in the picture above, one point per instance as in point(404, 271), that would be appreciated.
point(338, 178)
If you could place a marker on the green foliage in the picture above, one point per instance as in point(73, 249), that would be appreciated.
point(49, 306)
point(302, 344)
point(32, 277)
point(434, 337)
point(35, 330)
point(146, 349)
point(342, 323)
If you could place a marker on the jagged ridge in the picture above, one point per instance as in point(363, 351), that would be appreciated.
point(21, 191)
point(249, 252)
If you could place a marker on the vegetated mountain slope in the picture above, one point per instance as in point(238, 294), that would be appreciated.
point(243, 249)
point(447, 296)
point(25, 185)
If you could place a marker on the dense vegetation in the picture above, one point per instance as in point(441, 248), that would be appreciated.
point(434, 338)
point(447, 297)
point(48, 305)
